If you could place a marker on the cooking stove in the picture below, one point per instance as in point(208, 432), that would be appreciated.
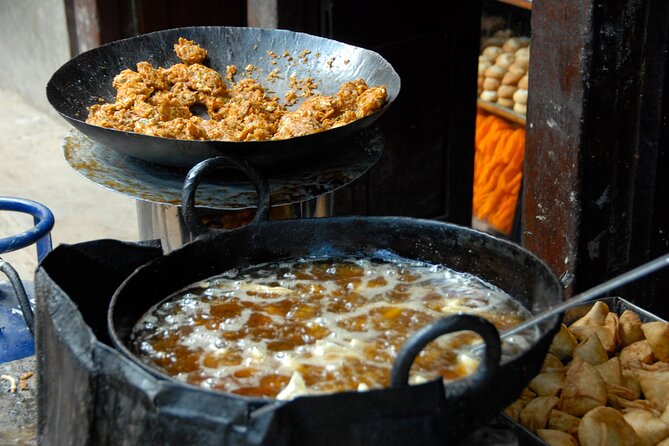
point(88, 392)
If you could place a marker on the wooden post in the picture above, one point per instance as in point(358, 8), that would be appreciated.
point(585, 175)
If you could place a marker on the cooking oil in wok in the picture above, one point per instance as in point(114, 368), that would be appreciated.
point(312, 326)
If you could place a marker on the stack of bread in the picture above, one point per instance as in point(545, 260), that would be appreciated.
point(503, 71)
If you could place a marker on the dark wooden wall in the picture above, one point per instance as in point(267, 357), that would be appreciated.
point(595, 169)
point(426, 170)
point(650, 231)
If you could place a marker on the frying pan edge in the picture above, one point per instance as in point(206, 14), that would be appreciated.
point(76, 84)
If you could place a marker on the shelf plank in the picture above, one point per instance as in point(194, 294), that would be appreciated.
point(525, 4)
point(502, 112)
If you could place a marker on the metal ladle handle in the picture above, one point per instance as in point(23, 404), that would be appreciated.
point(592, 293)
point(194, 178)
point(487, 369)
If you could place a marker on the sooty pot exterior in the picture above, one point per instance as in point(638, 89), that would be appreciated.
point(451, 412)
point(98, 394)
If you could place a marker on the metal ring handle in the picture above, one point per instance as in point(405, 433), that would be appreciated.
point(194, 178)
point(486, 371)
point(39, 234)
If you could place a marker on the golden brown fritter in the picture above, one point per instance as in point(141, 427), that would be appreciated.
point(161, 102)
point(189, 51)
point(318, 113)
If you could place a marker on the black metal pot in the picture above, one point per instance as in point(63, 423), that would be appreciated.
point(80, 82)
point(431, 413)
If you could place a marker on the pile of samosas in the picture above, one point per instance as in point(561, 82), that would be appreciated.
point(605, 381)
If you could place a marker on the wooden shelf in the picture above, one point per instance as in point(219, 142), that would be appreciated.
point(525, 4)
point(502, 112)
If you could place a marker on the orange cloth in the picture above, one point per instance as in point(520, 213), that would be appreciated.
point(498, 170)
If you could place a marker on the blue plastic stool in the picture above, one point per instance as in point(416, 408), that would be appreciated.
point(16, 326)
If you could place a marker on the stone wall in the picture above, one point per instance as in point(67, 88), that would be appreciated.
point(35, 44)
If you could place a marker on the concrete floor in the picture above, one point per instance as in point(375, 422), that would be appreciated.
point(32, 166)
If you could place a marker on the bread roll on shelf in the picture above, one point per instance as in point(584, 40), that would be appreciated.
point(484, 64)
point(520, 96)
point(489, 96)
point(524, 82)
point(505, 102)
point(512, 45)
point(506, 91)
point(491, 84)
point(495, 71)
point(492, 52)
point(504, 60)
point(511, 79)
point(520, 108)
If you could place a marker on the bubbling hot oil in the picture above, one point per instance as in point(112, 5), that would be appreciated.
point(312, 326)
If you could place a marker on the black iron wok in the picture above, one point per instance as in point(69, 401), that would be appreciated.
point(87, 77)
point(431, 413)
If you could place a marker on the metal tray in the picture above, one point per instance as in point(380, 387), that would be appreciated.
point(524, 436)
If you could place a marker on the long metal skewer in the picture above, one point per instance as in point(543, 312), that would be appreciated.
point(592, 293)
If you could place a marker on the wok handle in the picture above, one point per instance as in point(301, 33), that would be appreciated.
point(487, 369)
point(194, 178)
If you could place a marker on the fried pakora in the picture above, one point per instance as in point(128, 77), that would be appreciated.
point(192, 101)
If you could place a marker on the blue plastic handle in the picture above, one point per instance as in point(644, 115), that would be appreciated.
point(39, 234)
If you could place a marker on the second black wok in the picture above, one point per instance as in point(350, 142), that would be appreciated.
point(458, 406)
point(88, 77)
